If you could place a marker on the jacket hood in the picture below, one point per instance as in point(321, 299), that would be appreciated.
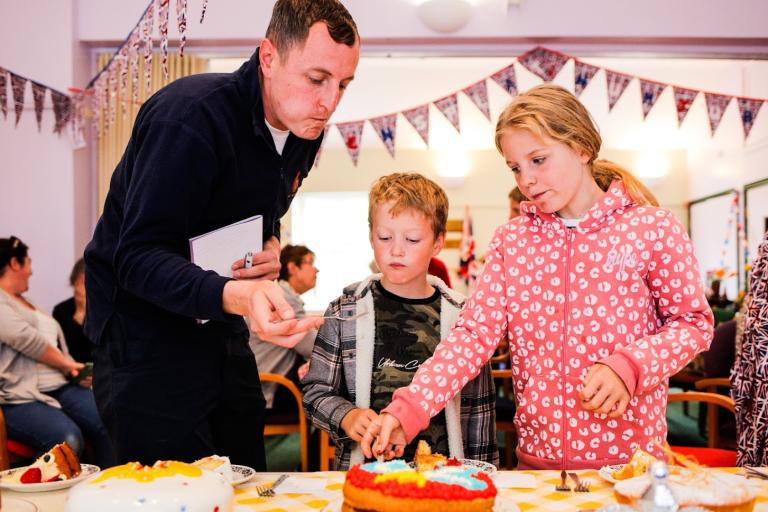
point(613, 202)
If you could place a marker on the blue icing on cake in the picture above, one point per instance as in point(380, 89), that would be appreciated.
point(457, 476)
point(386, 467)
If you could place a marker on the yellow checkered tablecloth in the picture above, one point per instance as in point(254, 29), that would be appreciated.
point(543, 497)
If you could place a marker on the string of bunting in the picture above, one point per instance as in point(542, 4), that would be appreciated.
point(546, 64)
point(83, 104)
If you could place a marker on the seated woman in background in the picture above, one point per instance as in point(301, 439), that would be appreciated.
point(42, 408)
point(298, 275)
point(71, 315)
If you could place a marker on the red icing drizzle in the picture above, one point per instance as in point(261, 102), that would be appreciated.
point(432, 490)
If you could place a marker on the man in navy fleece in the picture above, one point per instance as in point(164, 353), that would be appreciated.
point(207, 151)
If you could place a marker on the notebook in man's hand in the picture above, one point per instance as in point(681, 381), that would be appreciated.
point(218, 249)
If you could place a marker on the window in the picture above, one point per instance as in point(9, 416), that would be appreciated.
point(333, 225)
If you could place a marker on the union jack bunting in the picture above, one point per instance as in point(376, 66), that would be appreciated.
point(386, 129)
point(352, 134)
point(449, 106)
point(748, 109)
point(506, 79)
point(419, 119)
point(716, 105)
point(583, 74)
point(544, 63)
point(478, 93)
point(683, 101)
point(617, 83)
point(649, 93)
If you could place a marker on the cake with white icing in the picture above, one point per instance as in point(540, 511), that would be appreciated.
point(395, 486)
point(167, 486)
point(711, 489)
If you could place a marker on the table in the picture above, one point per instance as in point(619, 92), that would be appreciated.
point(543, 497)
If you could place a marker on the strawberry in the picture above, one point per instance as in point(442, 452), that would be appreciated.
point(32, 476)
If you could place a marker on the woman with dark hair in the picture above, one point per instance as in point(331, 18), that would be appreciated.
point(71, 316)
point(42, 408)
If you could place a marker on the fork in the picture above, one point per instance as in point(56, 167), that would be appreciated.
point(345, 318)
point(581, 485)
point(563, 485)
point(268, 491)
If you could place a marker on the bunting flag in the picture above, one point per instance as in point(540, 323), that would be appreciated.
point(62, 109)
point(162, 23)
point(716, 105)
point(449, 106)
point(683, 101)
point(386, 128)
point(18, 83)
point(123, 87)
point(112, 93)
point(352, 134)
point(543, 63)
point(582, 75)
point(617, 83)
point(4, 92)
point(181, 19)
point(478, 93)
point(649, 93)
point(133, 57)
point(202, 13)
point(38, 98)
point(419, 119)
point(146, 38)
point(748, 109)
point(507, 79)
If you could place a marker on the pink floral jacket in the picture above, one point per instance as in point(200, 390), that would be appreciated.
point(622, 289)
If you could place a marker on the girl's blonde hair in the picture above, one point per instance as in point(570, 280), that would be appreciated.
point(552, 111)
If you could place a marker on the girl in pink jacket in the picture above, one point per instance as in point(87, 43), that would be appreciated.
point(596, 288)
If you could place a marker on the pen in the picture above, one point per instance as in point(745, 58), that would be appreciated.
point(248, 259)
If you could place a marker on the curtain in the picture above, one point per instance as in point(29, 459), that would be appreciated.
point(114, 137)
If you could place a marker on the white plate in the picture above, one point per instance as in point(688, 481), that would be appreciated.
point(485, 467)
point(606, 472)
point(86, 470)
point(18, 505)
point(241, 474)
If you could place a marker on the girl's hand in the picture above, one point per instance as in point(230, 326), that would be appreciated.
point(604, 392)
point(356, 422)
point(387, 435)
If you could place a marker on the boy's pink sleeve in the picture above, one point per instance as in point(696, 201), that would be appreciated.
point(461, 355)
point(687, 320)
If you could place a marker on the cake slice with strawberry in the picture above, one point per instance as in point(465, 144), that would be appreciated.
point(58, 463)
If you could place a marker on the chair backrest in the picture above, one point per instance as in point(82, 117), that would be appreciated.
point(712, 400)
point(299, 427)
point(327, 451)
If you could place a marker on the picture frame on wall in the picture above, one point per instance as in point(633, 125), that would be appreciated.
point(713, 229)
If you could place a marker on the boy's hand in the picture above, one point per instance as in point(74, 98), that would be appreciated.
point(356, 422)
point(387, 435)
point(604, 392)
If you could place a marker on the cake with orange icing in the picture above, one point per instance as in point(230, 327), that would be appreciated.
point(167, 486)
point(395, 486)
point(58, 463)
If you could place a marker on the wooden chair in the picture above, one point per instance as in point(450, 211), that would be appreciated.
point(296, 426)
point(506, 425)
point(327, 452)
point(712, 455)
point(12, 451)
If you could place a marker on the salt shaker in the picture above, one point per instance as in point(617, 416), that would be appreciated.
point(658, 497)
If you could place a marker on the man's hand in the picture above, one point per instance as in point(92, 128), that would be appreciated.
point(268, 314)
point(266, 264)
point(87, 382)
point(604, 392)
point(391, 438)
point(356, 422)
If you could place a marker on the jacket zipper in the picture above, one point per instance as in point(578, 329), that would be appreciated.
point(564, 420)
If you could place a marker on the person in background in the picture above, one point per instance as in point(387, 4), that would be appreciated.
point(438, 269)
point(403, 313)
point(515, 198)
point(42, 408)
point(298, 275)
point(71, 316)
point(207, 151)
point(749, 380)
point(594, 285)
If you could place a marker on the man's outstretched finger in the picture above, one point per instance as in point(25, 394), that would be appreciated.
point(369, 438)
point(384, 434)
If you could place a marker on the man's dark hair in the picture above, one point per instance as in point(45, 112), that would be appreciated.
point(291, 20)
point(11, 249)
point(291, 254)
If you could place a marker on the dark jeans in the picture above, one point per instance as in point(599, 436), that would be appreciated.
point(41, 426)
point(173, 399)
